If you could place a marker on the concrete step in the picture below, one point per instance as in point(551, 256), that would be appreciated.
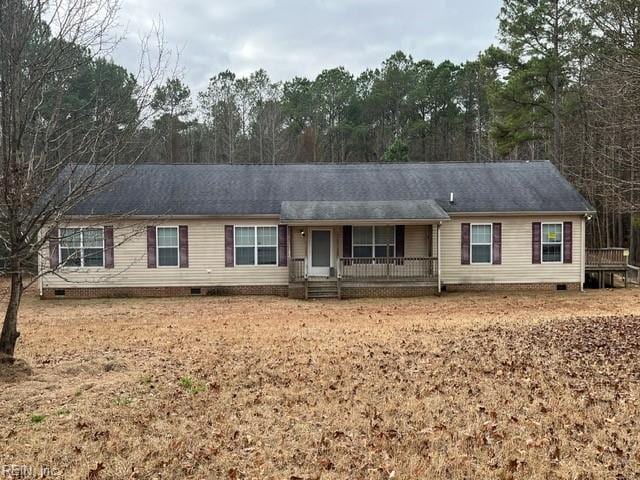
point(323, 290)
point(323, 294)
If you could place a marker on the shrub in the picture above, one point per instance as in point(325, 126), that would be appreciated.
point(37, 418)
point(191, 386)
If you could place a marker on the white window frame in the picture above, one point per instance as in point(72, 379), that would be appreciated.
point(373, 243)
point(158, 247)
point(255, 246)
point(472, 243)
point(60, 247)
point(542, 242)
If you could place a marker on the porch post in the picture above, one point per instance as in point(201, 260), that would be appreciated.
point(438, 260)
point(305, 239)
point(583, 253)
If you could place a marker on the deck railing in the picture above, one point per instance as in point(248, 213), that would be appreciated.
point(388, 268)
point(598, 257)
point(297, 269)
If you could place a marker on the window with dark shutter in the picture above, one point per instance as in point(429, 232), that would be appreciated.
point(81, 246)
point(290, 237)
point(465, 253)
point(228, 246)
point(168, 247)
point(256, 245)
point(282, 245)
point(151, 246)
point(551, 241)
point(108, 246)
point(497, 244)
point(375, 241)
point(54, 255)
point(183, 238)
point(535, 242)
point(481, 243)
point(347, 232)
point(568, 242)
point(399, 241)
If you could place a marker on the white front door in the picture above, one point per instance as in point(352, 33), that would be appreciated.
point(320, 252)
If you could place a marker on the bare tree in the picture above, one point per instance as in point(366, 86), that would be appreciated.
point(219, 104)
point(612, 102)
point(54, 153)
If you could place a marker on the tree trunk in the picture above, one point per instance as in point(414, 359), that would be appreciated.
point(634, 239)
point(273, 143)
point(260, 142)
point(10, 333)
point(556, 92)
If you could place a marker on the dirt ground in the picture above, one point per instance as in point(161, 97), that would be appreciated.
point(500, 385)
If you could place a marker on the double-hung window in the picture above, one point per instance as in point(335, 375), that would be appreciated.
point(374, 242)
point(82, 247)
point(552, 242)
point(256, 245)
point(167, 244)
point(481, 236)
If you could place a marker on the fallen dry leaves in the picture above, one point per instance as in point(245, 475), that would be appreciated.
point(537, 385)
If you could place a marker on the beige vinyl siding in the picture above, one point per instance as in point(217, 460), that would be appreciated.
point(516, 266)
point(299, 242)
point(207, 255)
point(415, 240)
point(206, 260)
point(300, 247)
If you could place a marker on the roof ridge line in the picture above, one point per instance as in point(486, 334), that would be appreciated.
point(301, 164)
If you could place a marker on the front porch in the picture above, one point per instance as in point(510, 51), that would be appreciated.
point(372, 248)
point(319, 268)
point(358, 276)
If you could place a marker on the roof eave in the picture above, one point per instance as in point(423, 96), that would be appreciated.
point(528, 213)
point(385, 221)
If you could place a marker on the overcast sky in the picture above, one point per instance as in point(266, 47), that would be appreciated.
point(302, 37)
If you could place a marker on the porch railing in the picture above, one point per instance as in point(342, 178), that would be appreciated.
point(598, 257)
point(297, 269)
point(388, 268)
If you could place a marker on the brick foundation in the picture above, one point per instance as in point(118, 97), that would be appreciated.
point(378, 291)
point(479, 287)
point(132, 292)
point(296, 291)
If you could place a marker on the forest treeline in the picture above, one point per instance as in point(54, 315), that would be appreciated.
point(562, 83)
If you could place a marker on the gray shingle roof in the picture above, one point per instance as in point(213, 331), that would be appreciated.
point(260, 189)
point(372, 210)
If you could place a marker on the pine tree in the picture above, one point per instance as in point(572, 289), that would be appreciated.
point(539, 39)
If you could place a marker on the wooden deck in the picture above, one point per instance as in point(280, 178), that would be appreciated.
point(608, 258)
point(603, 264)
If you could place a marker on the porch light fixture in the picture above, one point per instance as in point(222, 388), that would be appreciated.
point(302, 233)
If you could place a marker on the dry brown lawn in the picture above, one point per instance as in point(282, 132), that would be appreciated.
point(535, 385)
